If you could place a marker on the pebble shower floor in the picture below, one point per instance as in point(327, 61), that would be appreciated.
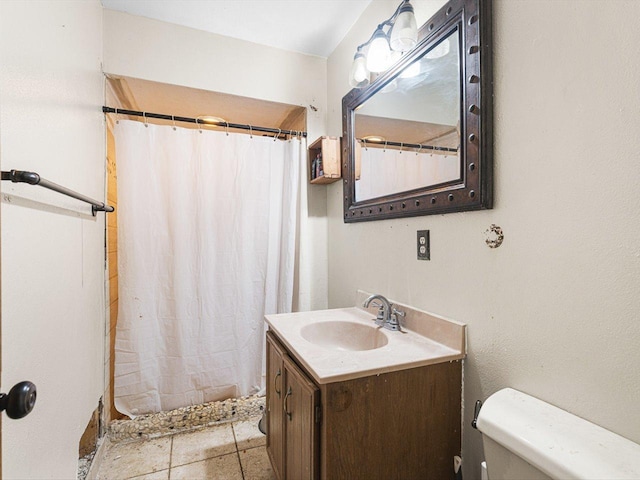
point(213, 440)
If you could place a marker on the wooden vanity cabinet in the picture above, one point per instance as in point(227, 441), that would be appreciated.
point(302, 421)
point(293, 409)
point(274, 405)
point(400, 425)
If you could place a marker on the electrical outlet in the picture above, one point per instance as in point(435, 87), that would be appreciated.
point(424, 252)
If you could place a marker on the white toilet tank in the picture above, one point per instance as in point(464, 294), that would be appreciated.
point(527, 439)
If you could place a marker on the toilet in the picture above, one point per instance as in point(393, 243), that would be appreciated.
point(526, 438)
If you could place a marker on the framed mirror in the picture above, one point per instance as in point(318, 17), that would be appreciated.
point(418, 139)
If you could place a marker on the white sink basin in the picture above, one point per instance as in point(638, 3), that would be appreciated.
point(342, 335)
point(344, 343)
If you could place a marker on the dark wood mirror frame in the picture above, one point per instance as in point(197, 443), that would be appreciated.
point(474, 191)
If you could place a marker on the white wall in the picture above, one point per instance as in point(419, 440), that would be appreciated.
point(51, 90)
point(554, 311)
point(162, 52)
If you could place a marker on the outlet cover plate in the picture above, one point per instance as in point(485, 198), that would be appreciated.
point(423, 244)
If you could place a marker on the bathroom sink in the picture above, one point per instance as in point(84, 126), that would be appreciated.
point(343, 335)
point(344, 343)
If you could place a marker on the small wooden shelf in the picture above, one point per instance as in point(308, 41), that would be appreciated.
point(327, 149)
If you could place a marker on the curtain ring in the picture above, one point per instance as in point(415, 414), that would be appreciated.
point(418, 151)
point(401, 147)
point(276, 137)
point(364, 142)
point(198, 124)
point(173, 119)
point(226, 128)
point(250, 132)
point(144, 115)
point(385, 147)
point(117, 117)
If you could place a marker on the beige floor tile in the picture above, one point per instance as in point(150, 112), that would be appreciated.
point(127, 460)
point(255, 464)
point(248, 435)
point(226, 467)
point(161, 475)
point(202, 444)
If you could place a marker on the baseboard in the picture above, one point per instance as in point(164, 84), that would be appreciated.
point(103, 446)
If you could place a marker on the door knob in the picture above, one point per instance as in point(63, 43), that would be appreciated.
point(19, 401)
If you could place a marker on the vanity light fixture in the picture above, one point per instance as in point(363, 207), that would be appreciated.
point(401, 36)
point(359, 76)
point(439, 50)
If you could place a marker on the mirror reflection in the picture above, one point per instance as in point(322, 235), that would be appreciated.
point(409, 130)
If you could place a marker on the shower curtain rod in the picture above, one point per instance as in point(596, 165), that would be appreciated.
point(419, 146)
point(251, 128)
point(32, 178)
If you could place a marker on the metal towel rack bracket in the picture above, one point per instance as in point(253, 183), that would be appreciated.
point(32, 178)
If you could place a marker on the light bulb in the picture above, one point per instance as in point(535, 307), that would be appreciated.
point(394, 57)
point(359, 76)
point(379, 54)
point(404, 34)
point(411, 71)
point(439, 50)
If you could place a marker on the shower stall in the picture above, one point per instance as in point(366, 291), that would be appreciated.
point(203, 247)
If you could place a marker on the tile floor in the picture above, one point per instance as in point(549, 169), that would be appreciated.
point(231, 451)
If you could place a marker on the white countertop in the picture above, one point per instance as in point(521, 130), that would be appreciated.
point(403, 350)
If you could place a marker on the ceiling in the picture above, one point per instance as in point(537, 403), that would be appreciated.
point(313, 27)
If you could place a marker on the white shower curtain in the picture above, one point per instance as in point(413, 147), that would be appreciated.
point(388, 171)
point(206, 247)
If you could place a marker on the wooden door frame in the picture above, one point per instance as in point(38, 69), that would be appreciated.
point(0, 356)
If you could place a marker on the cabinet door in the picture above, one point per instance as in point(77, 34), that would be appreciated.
point(275, 412)
point(301, 405)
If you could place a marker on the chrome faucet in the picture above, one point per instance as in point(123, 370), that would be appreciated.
point(387, 313)
point(384, 309)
